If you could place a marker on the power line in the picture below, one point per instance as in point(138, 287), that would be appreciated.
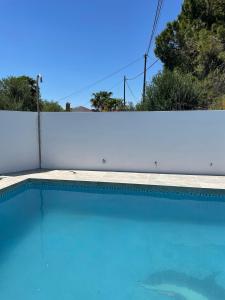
point(138, 75)
point(155, 23)
point(133, 78)
point(114, 86)
point(154, 28)
point(101, 80)
point(131, 91)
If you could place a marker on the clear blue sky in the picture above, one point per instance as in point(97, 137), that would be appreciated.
point(73, 43)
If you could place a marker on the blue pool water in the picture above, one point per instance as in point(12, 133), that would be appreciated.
point(87, 241)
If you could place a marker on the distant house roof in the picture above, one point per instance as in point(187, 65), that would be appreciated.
point(81, 109)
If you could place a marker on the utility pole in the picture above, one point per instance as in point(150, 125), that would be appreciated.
point(124, 91)
point(145, 71)
point(39, 80)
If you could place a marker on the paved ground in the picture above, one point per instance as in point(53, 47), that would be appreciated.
point(195, 181)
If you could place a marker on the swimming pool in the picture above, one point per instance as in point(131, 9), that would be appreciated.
point(67, 241)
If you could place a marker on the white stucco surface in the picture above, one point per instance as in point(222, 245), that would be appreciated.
point(18, 141)
point(164, 142)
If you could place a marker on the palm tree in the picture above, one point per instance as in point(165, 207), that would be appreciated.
point(101, 100)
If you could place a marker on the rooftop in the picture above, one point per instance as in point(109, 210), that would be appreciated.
point(80, 109)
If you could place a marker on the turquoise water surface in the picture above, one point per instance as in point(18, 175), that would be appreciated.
point(87, 242)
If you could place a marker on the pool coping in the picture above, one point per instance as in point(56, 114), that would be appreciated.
point(183, 182)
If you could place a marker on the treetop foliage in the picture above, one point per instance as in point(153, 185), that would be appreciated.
point(192, 49)
point(20, 93)
point(103, 101)
point(195, 42)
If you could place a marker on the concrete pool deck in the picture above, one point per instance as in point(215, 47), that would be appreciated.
point(191, 181)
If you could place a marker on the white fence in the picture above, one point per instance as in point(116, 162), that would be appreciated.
point(18, 141)
point(164, 142)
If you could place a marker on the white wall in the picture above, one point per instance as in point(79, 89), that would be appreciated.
point(181, 142)
point(18, 141)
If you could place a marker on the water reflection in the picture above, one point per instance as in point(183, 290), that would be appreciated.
point(181, 286)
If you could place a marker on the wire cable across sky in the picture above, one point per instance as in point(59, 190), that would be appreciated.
point(155, 24)
point(154, 28)
point(131, 92)
point(138, 75)
point(101, 80)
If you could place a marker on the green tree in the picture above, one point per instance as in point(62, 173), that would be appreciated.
point(51, 106)
point(195, 42)
point(130, 107)
point(192, 49)
point(103, 101)
point(100, 99)
point(218, 103)
point(18, 93)
point(173, 90)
